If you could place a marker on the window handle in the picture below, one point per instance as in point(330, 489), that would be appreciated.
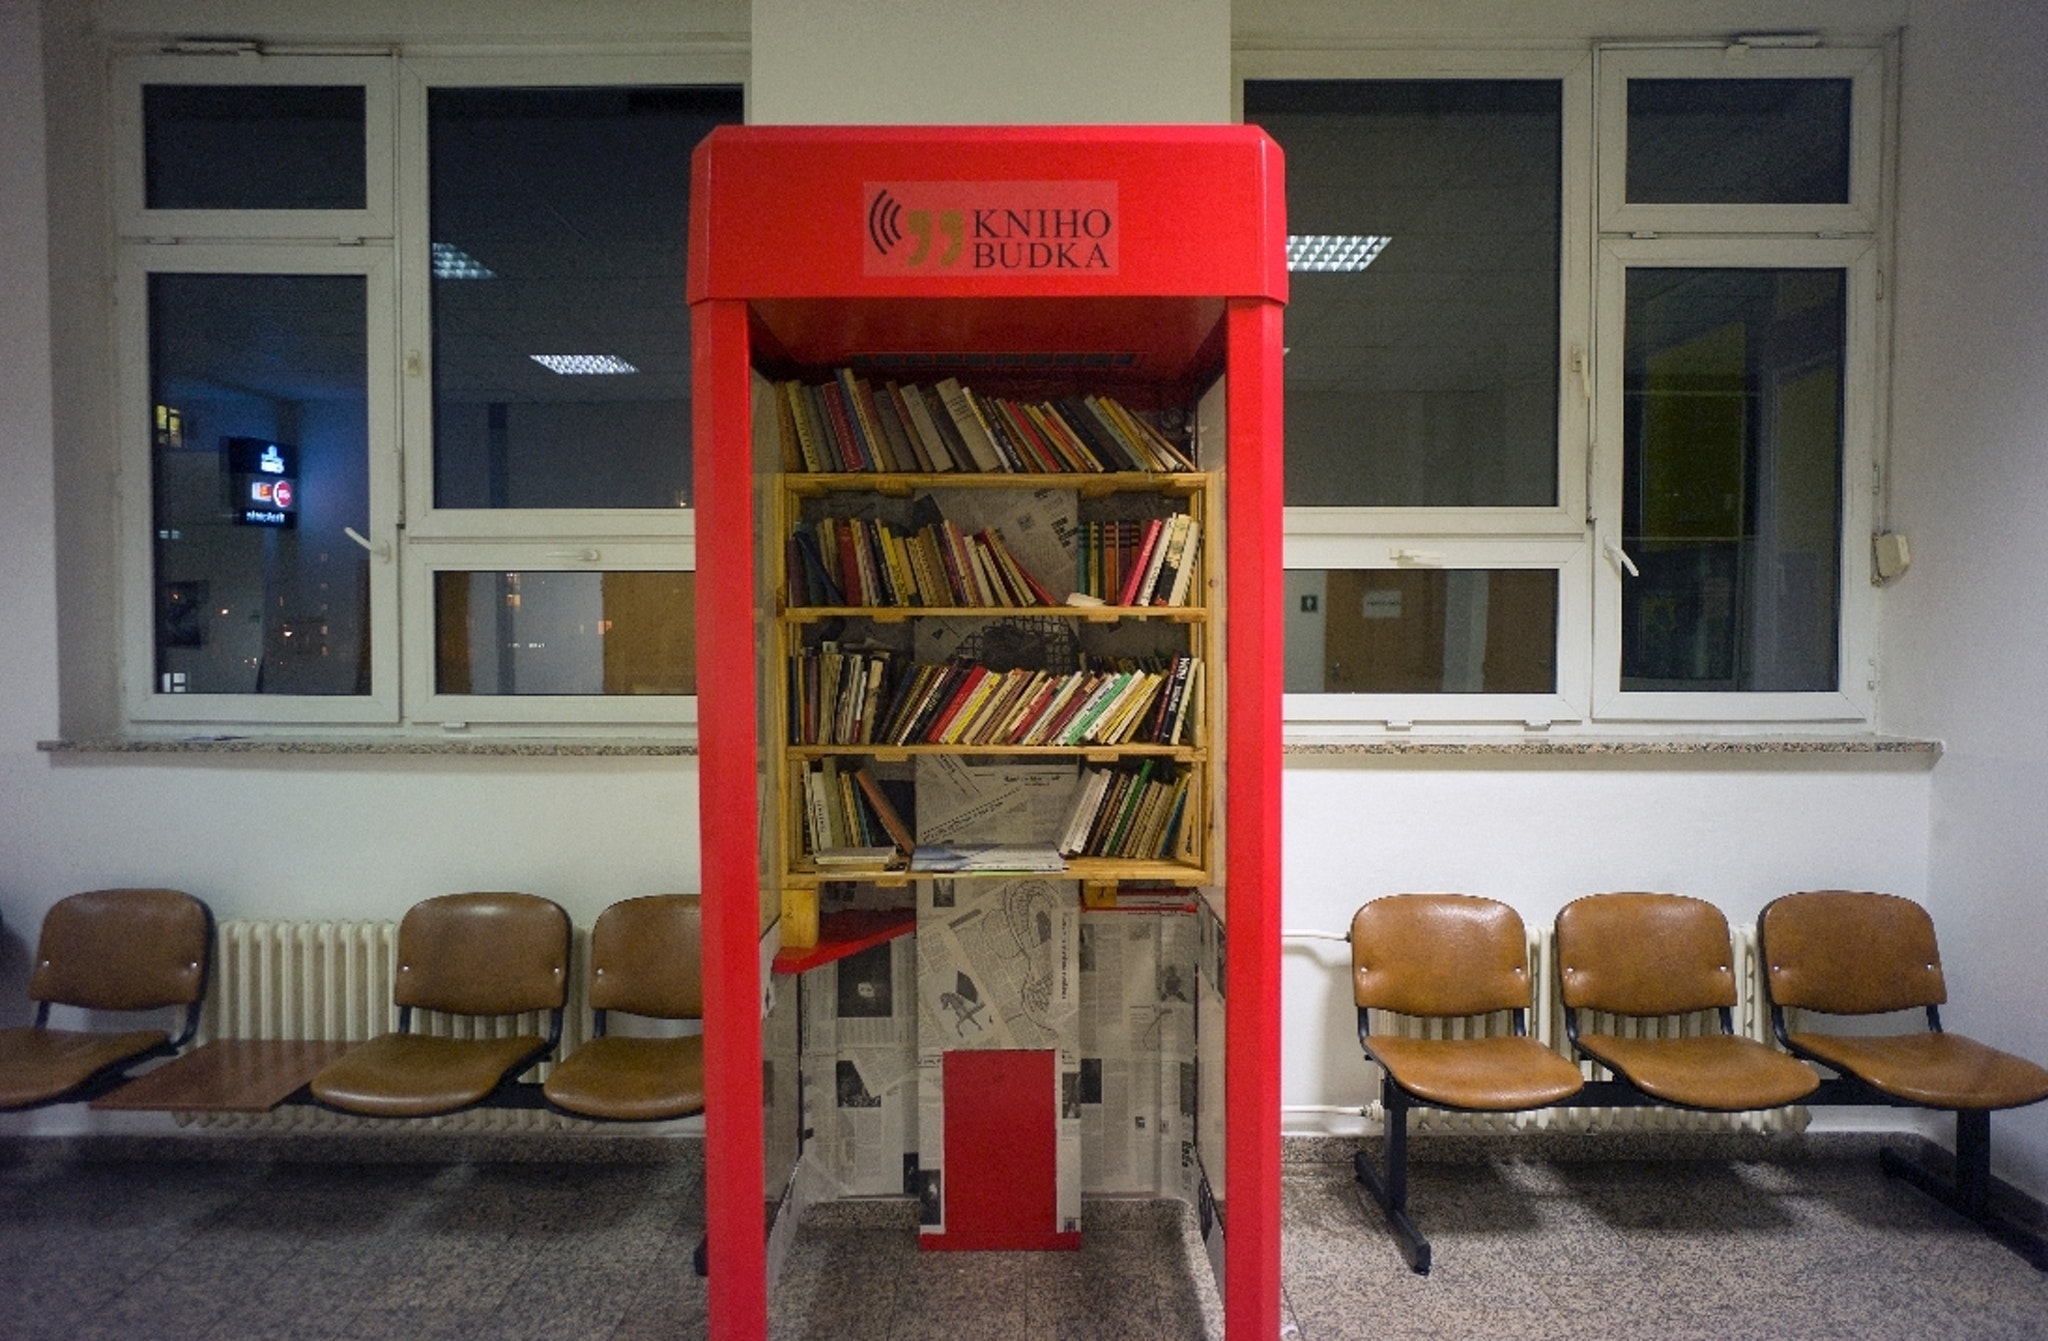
point(381, 551)
point(1620, 556)
point(1417, 558)
point(575, 555)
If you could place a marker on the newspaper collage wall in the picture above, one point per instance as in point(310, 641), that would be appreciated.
point(1008, 964)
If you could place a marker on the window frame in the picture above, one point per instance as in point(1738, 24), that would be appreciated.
point(388, 242)
point(1547, 537)
point(143, 703)
point(427, 706)
point(419, 77)
point(1863, 67)
point(1603, 235)
point(136, 220)
point(1853, 699)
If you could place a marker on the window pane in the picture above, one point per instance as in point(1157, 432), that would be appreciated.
point(1732, 479)
point(559, 226)
point(1738, 141)
point(1430, 377)
point(530, 632)
point(1421, 631)
point(244, 147)
point(261, 458)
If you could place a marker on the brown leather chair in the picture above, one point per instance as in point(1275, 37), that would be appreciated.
point(1843, 952)
point(463, 954)
point(1445, 955)
point(645, 959)
point(1647, 955)
point(112, 950)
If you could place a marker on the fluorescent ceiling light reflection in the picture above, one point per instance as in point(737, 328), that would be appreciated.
point(1333, 251)
point(584, 365)
point(452, 262)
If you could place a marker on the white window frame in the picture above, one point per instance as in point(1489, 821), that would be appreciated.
point(451, 712)
point(388, 242)
point(373, 74)
point(1863, 67)
point(1553, 536)
point(1853, 700)
point(424, 519)
point(144, 704)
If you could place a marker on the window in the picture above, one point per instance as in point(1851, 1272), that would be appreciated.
point(527, 379)
point(1525, 489)
point(1435, 433)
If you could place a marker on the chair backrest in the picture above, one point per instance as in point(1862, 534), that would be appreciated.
point(646, 958)
point(483, 954)
point(1644, 954)
point(1843, 952)
point(1439, 954)
point(123, 949)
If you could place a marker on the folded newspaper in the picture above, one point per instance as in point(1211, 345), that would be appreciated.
point(956, 858)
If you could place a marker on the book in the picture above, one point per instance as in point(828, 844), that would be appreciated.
point(896, 410)
point(1141, 558)
point(1190, 561)
point(854, 856)
point(981, 449)
point(885, 810)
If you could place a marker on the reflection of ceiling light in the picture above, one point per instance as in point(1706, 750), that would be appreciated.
point(1333, 251)
point(583, 365)
point(452, 262)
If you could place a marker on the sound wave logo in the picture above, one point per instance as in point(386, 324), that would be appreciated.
point(883, 213)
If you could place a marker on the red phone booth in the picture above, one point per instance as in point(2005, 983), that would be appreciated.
point(1044, 268)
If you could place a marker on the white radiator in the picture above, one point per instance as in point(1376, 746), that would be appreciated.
point(1751, 1018)
point(332, 980)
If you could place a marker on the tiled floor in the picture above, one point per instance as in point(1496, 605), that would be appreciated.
point(137, 1242)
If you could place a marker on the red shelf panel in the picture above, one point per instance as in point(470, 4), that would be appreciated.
point(843, 934)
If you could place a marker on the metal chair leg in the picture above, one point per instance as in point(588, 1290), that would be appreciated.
point(1390, 1190)
point(1969, 1192)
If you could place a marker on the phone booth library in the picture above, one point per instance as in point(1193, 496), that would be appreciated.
point(988, 482)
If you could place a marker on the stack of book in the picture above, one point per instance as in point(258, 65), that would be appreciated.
point(846, 812)
point(836, 697)
point(966, 703)
point(848, 424)
point(1150, 562)
point(852, 561)
point(1130, 811)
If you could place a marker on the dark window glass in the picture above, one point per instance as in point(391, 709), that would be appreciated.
point(1430, 377)
point(1732, 484)
point(543, 632)
point(252, 147)
point(261, 408)
point(1421, 631)
point(559, 222)
point(1738, 141)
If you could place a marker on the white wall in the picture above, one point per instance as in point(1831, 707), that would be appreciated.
point(1965, 652)
point(1538, 834)
point(317, 836)
point(980, 62)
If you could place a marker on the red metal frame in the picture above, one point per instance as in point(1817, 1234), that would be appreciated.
point(792, 265)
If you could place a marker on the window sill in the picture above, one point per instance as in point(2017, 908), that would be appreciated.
point(1755, 746)
point(507, 748)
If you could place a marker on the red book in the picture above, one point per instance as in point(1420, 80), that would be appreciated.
point(974, 677)
point(1134, 575)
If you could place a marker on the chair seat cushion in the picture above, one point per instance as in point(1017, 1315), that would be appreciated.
point(631, 1079)
point(420, 1075)
point(38, 1065)
point(1495, 1075)
point(1722, 1072)
point(1934, 1070)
